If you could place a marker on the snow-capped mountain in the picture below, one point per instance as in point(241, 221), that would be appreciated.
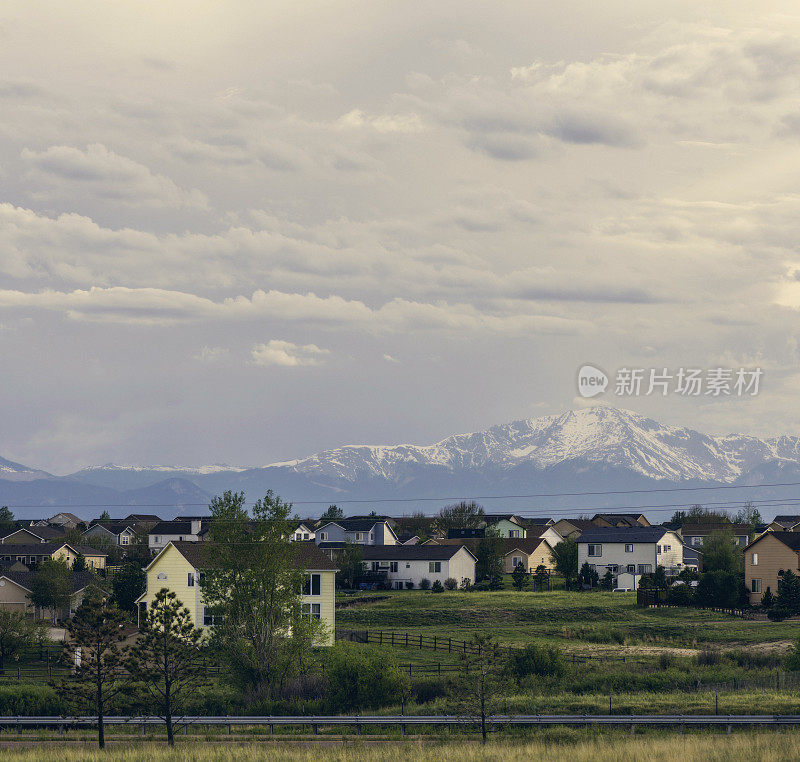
point(596, 449)
point(16, 472)
point(600, 435)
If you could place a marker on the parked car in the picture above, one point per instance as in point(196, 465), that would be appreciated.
point(622, 590)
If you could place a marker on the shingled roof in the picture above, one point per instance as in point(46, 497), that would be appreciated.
point(442, 552)
point(624, 534)
point(789, 539)
point(45, 549)
point(308, 555)
point(77, 580)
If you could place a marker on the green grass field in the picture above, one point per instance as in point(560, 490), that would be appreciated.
point(572, 620)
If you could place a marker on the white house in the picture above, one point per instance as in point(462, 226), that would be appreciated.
point(362, 531)
point(549, 534)
point(179, 530)
point(413, 563)
point(303, 532)
point(630, 550)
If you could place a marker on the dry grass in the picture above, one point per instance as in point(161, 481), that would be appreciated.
point(709, 747)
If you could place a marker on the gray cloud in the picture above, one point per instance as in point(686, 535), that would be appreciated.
point(522, 191)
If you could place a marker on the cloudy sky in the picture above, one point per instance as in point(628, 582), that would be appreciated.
point(245, 231)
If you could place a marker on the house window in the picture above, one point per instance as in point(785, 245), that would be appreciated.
point(408, 566)
point(393, 566)
point(398, 585)
point(513, 533)
point(306, 536)
point(755, 585)
point(754, 559)
point(667, 548)
point(435, 567)
point(658, 550)
point(629, 547)
point(209, 619)
point(516, 561)
point(312, 610)
point(190, 580)
point(155, 539)
point(359, 536)
point(613, 568)
point(697, 540)
point(645, 568)
point(312, 584)
point(324, 536)
point(124, 539)
point(371, 536)
point(595, 550)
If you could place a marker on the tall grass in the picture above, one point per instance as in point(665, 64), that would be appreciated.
point(765, 746)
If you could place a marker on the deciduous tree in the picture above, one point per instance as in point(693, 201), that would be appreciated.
point(252, 581)
point(51, 586)
point(17, 632)
point(128, 584)
point(565, 556)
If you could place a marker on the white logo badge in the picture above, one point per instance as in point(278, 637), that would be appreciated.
point(591, 381)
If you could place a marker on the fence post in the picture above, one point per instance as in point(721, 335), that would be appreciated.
point(434, 643)
point(633, 729)
point(449, 645)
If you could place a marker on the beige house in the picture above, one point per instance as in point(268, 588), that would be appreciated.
point(28, 535)
point(34, 554)
point(765, 560)
point(178, 566)
point(531, 552)
point(15, 586)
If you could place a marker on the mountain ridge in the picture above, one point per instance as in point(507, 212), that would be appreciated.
point(575, 451)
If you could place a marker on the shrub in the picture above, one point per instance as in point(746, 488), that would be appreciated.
point(680, 595)
point(792, 661)
point(437, 587)
point(466, 584)
point(30, 700)
point(708, 658)
point(430, 689)
point(536, 660)
point(363, 678)
point(424, 584)
point(409, 584)
point(665, 661)
point(450, 583)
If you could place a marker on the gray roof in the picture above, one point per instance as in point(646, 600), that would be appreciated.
point(46, 533)
point(307, 555)
point(45, 549)
point(78, 580)
point(353, 525)
point(178, 526)
point(410, 552)
point(624, 534)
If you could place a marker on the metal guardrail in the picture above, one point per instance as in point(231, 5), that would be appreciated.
point(315, 721)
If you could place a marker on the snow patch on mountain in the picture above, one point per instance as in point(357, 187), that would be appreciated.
point(601, 435)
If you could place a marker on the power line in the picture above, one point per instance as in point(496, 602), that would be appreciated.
point(649, 490)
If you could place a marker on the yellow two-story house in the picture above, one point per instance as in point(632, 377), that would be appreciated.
point(178, 566)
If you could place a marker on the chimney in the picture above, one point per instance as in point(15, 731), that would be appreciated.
point(195, 526)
